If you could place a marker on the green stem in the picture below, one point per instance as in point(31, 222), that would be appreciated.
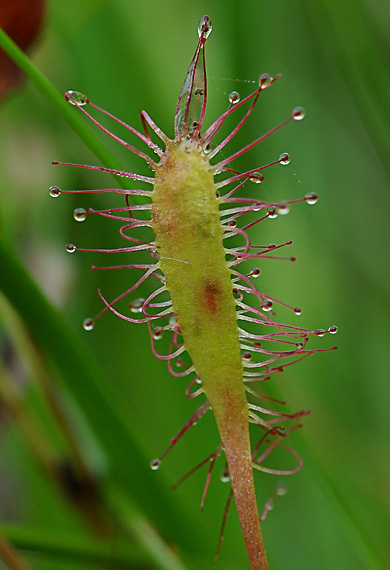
point(50, 93)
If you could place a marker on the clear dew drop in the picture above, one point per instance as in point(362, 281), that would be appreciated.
point(282, 209)
point(298, 311)
point(88, 324)
point(207, 149)
point(333, 330)
point(234, 97)
point(284, 158)
point(76, 98)
point(320, 332)
point(247, 356)
point(256, 179)
point(205, 26)
point(135, 306)
point(255, 272)
point(298, 113)
point(155, 464)
point(267, 305)
point(256, 208)
point(157, 333)
point(264, 80)
point(54, 191)
point(70, 248)
point(311, 198)
point(79, 214)
point(225, 477)
point(272, 213)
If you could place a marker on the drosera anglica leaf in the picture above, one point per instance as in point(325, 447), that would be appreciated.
point(213, 312)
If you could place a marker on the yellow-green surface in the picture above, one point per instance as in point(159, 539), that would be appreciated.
point(126, 56)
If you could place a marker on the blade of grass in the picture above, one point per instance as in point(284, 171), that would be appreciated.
point(49, 92)
point(109, 417)
point(74, 548)
point(10, 557)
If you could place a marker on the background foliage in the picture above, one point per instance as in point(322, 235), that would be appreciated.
point(126, 56)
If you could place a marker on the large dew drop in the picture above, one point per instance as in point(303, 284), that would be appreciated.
point(311, 198)
point(234, 97)
point(265, 80)
point(284, 158)
point(54, 191)
point(135, 306)
point(298, 113)
point(205, 26)
point(79, 214)
point(155, 464)
point(76, 98)
point(88, 324)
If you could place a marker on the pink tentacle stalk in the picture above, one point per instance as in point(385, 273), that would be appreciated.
point(224, 332)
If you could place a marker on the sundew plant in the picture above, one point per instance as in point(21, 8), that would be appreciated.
point(192, 219)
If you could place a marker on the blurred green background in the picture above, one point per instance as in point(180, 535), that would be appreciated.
point(128, 56)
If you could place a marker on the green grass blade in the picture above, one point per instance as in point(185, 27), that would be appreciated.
point(67, 111)
point(109, 417)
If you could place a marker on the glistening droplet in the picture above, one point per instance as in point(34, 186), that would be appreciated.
point(225, 477)
point(333, 330)
point(205, 26)
point(272, 212)
point(284, 158)
point(76, 98)
point(79, 214)
point(298, 311)
point(54, 191)
point(88, 324)
point(320, 332)
point(282, 208)
point(155, 464)
point(70, 248)
point(135, 306)
point(267, 305)
point(264, 80)
point(234, 97)
point(298, 113)
point(157, 333)
point(311, 198)
point(256, 178)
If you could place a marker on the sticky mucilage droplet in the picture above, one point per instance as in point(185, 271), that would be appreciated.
point(76, 98)
point(298, 113)
point(79, 214)
point(234, 97)
point(311, 198)
point(88, 324)
point(284, 158)
point(54, 191)
point(205, 26)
